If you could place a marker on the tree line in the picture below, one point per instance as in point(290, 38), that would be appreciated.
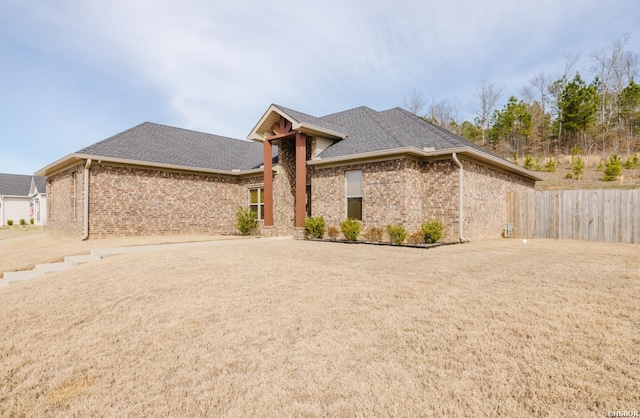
point(554, 114)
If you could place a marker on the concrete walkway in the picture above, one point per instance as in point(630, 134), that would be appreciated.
point(71, 261)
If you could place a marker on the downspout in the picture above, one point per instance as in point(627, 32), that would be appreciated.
point(461, 195)
point(87, 166)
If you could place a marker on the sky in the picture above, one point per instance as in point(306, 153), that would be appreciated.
point(74, 72)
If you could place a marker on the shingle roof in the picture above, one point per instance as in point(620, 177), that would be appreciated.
point(369, 130)
point(41, 183)
point(154, 143)
point(15, 185)
point(311, 120)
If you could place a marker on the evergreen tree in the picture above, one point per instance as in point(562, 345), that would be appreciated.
point(579, 103)
point(513, 123)
point(629, 102)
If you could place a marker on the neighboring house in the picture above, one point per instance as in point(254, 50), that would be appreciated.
point(379, 167)
point(22, 197)
point(38, 203)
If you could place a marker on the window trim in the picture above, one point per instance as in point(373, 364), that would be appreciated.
point(260, 203)
point(347, 196)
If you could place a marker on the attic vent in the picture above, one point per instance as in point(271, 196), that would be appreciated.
point(428, 149)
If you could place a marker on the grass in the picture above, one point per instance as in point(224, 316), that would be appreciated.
point(24, 247)
point(271, 328)
point(592, 179)
point(19, 231)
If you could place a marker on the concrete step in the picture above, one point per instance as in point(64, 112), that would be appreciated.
point(52, 267)
point(3, 283)
point(16, 276)
point(75, 260)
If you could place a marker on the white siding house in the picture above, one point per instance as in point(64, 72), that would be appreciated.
point(22, 197)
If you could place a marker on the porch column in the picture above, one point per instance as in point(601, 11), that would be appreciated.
point(301, 178)
point(268, 184)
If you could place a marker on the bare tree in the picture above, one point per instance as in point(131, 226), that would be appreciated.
point(615, 67)
point(414, 102)
point(485, 98)
point(538, 95)
point(444, 113)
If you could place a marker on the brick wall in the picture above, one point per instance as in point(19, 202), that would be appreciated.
point(391, 190)
point(440, 195)
point(485, 204)
point(65, 203)
point(133, 201)
point(411, 192)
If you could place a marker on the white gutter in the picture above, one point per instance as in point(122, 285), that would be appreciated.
point(87, 166)
point(461, 202)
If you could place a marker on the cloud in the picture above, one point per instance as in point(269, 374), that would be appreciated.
point(216, 65)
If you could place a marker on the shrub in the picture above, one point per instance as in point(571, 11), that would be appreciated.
point(397, 233)
point(9, 222)
point(577, 168)
point(373, 234)
point(31, 221)
point(631, 162)
point(613, 168)
point(416, 238)
point(433, 231)
point(550, 165)
point(246, 220)
point(350, 229)
point(332, 232)
point(22, 221)
point(528, 162)
point(600, 166)
point(536, 165)
point(515, 157)
point(314, 227)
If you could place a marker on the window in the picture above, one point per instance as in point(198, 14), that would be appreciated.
point(256, 201)
point(308, 200)
point(354, 194)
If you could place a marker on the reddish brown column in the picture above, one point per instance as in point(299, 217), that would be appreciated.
point(301, 178)
point(268, 184)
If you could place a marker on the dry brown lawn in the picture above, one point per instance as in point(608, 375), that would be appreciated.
point(21, 248)
point(285, 328)
point(591, 179)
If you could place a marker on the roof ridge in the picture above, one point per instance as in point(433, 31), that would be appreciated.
point(347, 110)
point(186, 129)
point(375, 115)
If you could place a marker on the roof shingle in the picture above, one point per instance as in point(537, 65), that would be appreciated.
point(15, 184)
point(154, 143)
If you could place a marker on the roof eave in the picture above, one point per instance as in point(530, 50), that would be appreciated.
point(73, 159)
point(411, 151)
point(59, 165)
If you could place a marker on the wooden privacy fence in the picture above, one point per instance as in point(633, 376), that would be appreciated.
point(607, 215)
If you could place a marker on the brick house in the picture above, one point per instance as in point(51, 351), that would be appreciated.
point(379, 167)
